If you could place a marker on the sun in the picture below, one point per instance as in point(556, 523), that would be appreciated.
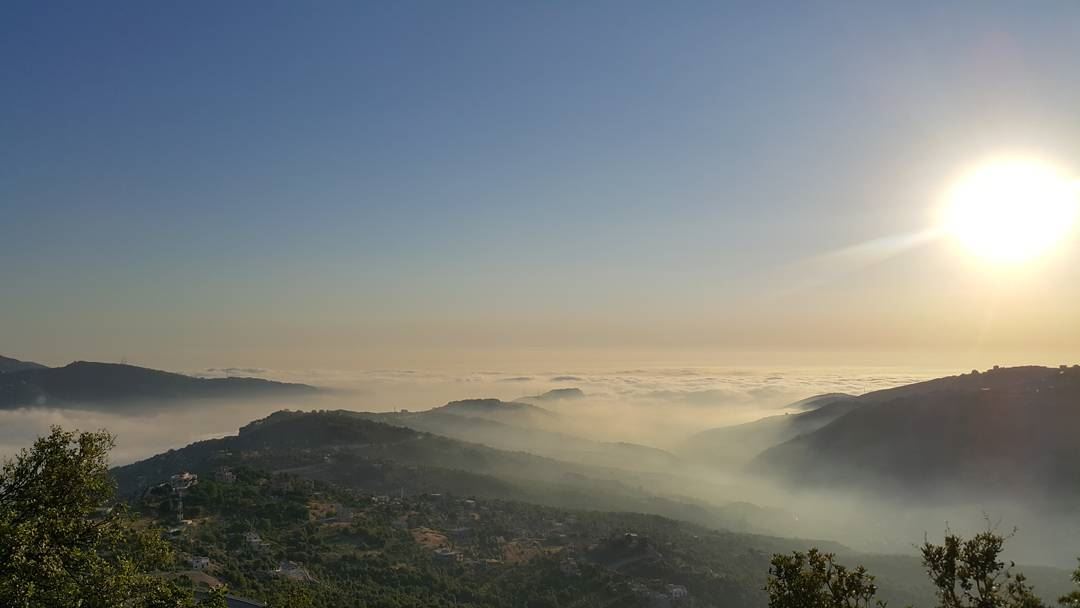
point(1012, 211)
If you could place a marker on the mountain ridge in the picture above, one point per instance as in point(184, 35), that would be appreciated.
point(734, 446)
point(344, 448)
point(93, 385)
point(983, 434)
point(8, 365)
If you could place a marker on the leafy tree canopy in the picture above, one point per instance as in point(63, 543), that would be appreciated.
point(814, 580)
point(1072, 600)
point(970, 574)
point(64, 542)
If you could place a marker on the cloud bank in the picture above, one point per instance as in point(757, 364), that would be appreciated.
point(652, 406)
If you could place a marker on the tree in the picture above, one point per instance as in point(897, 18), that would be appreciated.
point(216, 599)
point(970, 574)
point(62, 540)
point(1072, 600)
point(290, 595)
point(814, 580)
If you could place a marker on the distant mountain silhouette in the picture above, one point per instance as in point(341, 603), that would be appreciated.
point(558, 394)
point(109, 385)
point(817, 401)
point(734, 446)
point(14, 365)
point(513, 412)
point(513, 429)
point(1005, 432)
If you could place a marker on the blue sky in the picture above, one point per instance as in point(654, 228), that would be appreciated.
point(322, 184)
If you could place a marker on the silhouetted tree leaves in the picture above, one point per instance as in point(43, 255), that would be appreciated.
point(1072, 600)
point(814, 580)
point(970, 574)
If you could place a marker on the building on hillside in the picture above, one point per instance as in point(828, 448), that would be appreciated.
point(677, 592)
point(200, 562)
point(446, 555)
point(255, 541)
point(183, 481)
point(293, 571)
point(225, 475)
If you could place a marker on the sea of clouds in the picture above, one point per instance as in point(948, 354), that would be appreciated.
point(658, 407)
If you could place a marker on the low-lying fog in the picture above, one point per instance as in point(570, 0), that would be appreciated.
point(654, 407)
point(1044, 535)
point(659, 407)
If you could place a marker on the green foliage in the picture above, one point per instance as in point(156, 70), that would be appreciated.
point(965, 574)
point(1072, 600)
point(814, 580)
point(216, 599)
point(970, 574)
point(61, 541)
point(291, 596)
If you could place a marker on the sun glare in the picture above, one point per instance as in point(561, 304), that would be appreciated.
point(1009, 212)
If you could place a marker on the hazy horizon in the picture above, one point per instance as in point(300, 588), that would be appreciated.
point(660, 406)
point(697, 215)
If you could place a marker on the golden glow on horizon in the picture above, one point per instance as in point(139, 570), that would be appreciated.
point(1012, 211)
